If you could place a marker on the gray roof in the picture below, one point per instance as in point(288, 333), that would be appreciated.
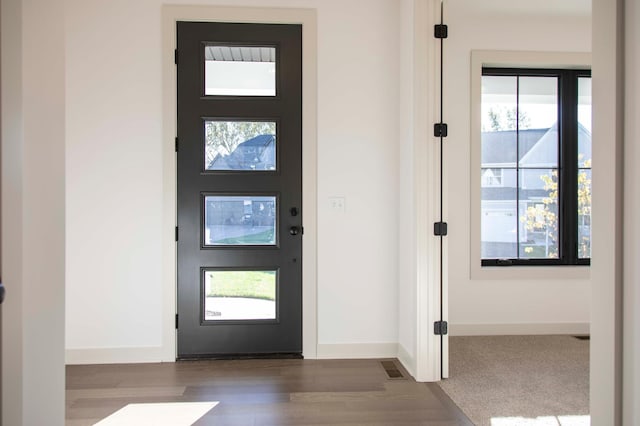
point(501, 147)
point(544, 153)
point(538, 147)
point(257, 153)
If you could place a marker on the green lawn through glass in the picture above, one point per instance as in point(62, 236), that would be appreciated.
point(248, 284)
point(265, 237)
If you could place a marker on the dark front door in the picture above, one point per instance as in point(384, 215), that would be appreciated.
point(239, 165)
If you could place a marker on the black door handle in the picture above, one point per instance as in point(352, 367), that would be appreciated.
point(1, 293)
point(294, 230)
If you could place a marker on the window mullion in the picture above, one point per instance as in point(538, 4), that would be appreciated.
point(568, 196)
point(517, 167)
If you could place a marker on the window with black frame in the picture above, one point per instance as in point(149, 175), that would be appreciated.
point(536, 167)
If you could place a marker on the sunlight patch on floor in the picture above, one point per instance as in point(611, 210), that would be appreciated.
point(542, 421)
point(159, 414)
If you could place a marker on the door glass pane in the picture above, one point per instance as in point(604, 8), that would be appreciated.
point(240, 71)
point(240, 145)
point(499, 109)
point(584, 122)
point(538, 212)
point(239, 295)
point(538, 121)
point(239, 220)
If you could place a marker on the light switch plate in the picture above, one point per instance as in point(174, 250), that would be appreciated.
point(337, 204)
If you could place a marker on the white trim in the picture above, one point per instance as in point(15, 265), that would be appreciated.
point(480, 58)
point(606, 374)
point(357, 350)
point(631, 267)
point(529, 59)
point(407, 360)
point(426, 177)
point(573, 328)
point(114, 355)
point(32, 142)
point(306, 17)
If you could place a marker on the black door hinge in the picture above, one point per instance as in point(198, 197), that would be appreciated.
point(175, 56)
point(176, 233)
point(440, 31)
point(440, 130)
point(176, 321)
point(440, 328)
point(440, 228)
point(176, 144)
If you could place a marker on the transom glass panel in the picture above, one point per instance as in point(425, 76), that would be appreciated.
point(240, 71)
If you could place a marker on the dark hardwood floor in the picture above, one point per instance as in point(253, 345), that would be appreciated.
point(263, 392)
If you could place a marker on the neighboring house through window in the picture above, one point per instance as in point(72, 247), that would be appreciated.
point(535, 166)
point(491, 177)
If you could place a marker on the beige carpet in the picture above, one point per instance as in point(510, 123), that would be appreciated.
point(520, 380)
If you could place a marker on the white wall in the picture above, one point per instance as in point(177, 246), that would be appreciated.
point(114, 166)
point(358, 82)
point(114, 175)
point(33, 212)
point(511, 301)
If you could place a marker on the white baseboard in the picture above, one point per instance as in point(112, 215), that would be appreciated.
point(333, 351)
point(518, 329)
point(116, 355)
point(407, 361)
point(155, 354)
point(357, 350)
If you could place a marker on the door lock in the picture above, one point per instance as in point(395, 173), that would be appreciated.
point(294, 230)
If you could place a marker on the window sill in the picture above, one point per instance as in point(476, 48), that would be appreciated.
point(530, 272)
point(532, 262)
